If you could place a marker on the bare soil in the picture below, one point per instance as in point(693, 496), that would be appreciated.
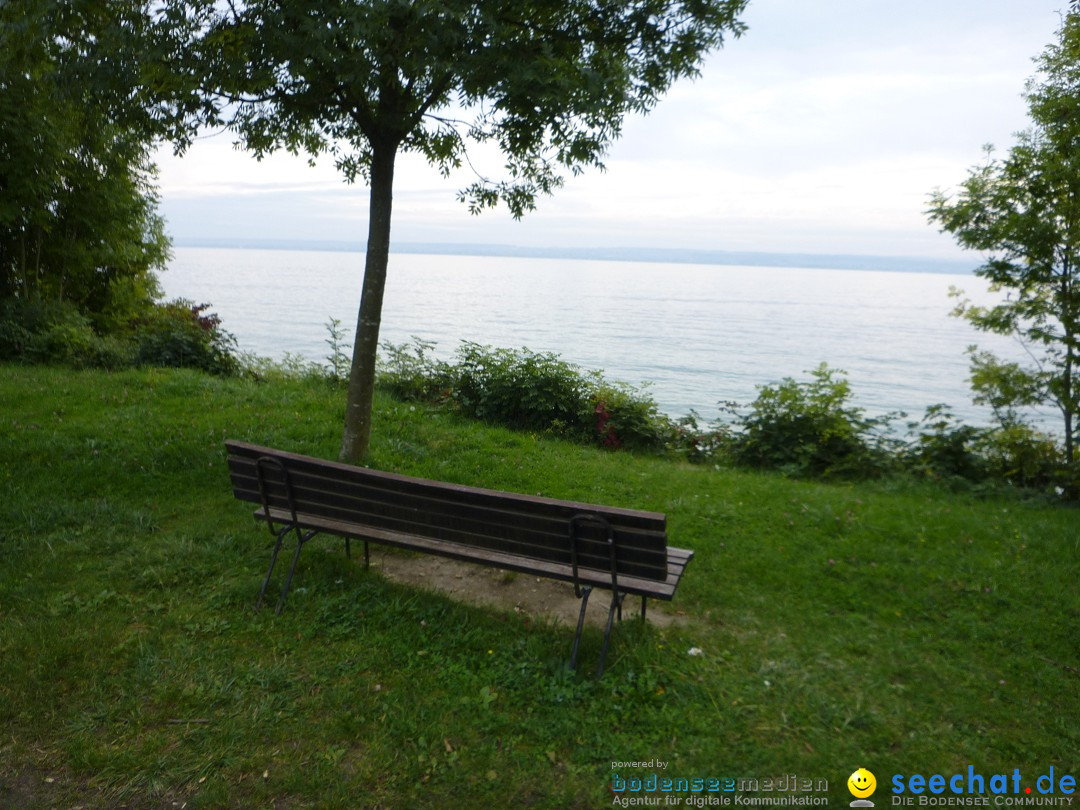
point(541, 599)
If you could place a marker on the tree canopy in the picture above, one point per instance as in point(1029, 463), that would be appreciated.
point(1023, 212)
point(547, 82)
point(78, 209)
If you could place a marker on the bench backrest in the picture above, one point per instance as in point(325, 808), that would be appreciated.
point(539, 528)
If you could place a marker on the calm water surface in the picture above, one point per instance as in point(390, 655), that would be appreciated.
point(699, 334)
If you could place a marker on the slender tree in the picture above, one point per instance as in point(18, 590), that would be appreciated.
point(549, 82)
point(1023, 211)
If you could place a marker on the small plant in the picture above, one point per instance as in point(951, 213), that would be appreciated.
point(409, 371)
point(289, 367)
point(338, 359)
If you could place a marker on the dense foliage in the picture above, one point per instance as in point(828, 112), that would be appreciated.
point(83, 99)
point(803, 428)
point(528, 390)
point(78, 211)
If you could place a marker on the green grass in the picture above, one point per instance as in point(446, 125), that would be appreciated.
point(885, 625)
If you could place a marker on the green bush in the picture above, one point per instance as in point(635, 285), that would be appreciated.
point(945, 448)
point(52, 333)
point(527, 390)
point(809, 429)
point(179, 334)
point(699, 445)
point(22, 319)
point(409, 372)
point(1020, 454)
point(175, 334)
point(626, 416)
point(14, 338)
point(1012, 453)
point(74, 343)
point(520, 389)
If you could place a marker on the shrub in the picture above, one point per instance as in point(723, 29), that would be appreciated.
point(626, 416)
point(1022, 455)
point(53, 333)
point(946, 448)
point(14, 338)
point(808, 428)
point(527, 390)
point(22, 319)
point(409, 371)
point(699, 445)
point(521, 389)
point(179, 334)
point(73, 342)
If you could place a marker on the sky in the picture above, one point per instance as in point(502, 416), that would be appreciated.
point(823, 129)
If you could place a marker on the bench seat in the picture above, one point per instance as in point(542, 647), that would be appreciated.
point(678, 558)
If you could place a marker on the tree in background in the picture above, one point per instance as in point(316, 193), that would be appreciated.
point(84, 94)
point(1024, 212)
point(78, 211)
point(546, 82)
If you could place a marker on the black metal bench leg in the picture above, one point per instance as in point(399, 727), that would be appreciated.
point(270, 570)
point(348, 549)
point(585, 593)
point(616, 604)
point(367, 556)
point(300, 540)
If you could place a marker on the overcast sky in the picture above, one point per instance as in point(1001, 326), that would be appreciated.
point(822, 130)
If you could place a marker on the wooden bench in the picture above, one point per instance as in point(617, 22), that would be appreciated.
point(590, 546)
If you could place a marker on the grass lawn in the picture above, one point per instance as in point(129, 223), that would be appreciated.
point(887, 625)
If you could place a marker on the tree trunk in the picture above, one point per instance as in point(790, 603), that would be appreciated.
point(1068, 308)
point(357, 434)
point(1070, 412)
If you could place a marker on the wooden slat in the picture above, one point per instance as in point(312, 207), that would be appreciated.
point(463, 493)
point(634, 585)
point(589, 555)
point(440, 505)
point(558, 553)
point(640, 552)
point(507, 530)
point(370, 502)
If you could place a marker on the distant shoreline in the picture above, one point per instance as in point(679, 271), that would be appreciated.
point(813, 261)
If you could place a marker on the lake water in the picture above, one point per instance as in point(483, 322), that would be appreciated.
point(698, 334)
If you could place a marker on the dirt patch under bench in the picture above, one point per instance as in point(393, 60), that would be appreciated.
point(521, 593)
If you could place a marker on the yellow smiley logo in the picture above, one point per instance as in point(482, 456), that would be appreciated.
point(861, 783)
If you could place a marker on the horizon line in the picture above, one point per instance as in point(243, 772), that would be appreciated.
point(830, 261)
